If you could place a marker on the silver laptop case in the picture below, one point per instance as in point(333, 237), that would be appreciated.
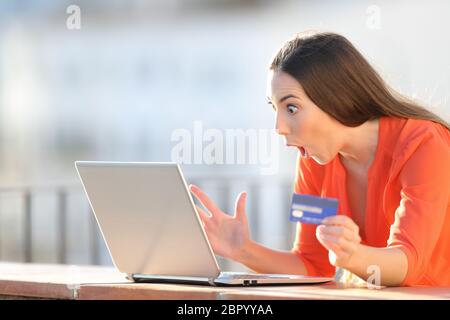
point(147, 218)
point(149, 222)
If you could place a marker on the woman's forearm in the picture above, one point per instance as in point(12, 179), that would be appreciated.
point(264, 260)
point(391, 262)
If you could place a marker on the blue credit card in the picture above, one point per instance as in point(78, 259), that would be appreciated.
point(312, 209)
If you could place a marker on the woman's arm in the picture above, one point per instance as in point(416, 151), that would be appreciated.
point(340, 235)
point(420, 217)
point(264, 260)
point(390, 262)
point(229, 237)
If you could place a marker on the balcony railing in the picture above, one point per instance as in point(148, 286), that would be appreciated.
point(224, 193)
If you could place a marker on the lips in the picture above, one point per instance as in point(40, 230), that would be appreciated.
point(303, 152)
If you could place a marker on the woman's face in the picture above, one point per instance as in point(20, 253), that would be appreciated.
point(303, 124)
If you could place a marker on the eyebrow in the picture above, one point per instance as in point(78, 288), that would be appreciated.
point(284, 98)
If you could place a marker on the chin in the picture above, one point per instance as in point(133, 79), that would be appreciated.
point(319, 160)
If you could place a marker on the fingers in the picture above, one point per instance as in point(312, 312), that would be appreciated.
point(239, 212)
point(340, 236)
point(203, 214)
point(337, 244)
point(339, 231)
point(204, 199)
point(204, 217)
point(341, 220)
point(214, 209)
point(325, 241)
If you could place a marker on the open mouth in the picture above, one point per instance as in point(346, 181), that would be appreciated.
point(303, 152)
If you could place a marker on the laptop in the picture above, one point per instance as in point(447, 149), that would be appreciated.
point(152, 230)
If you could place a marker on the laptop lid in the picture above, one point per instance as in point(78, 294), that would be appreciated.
point(147, 218)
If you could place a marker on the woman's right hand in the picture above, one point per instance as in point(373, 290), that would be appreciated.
point(227, 234)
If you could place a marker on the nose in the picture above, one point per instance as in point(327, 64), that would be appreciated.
point(281, 127)
point(280, 132)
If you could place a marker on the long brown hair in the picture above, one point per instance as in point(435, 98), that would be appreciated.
point(340, 81)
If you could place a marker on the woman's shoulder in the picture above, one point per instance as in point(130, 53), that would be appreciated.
point(415, 128)
point(406, 137)
point(419, 131)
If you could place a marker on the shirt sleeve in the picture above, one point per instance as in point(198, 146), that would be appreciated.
point(425, 191)
point(306, 246)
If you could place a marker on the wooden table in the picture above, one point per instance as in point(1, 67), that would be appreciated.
point(92, 282)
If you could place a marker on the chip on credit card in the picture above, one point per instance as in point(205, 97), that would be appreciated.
point(312, 209)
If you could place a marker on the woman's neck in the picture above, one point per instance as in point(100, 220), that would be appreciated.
point(360, 144)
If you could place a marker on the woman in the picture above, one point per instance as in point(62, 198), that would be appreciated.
point(385, 158)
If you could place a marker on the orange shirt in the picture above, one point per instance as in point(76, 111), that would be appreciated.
point(407, 202)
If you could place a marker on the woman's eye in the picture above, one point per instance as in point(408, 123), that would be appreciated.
point(291, 108)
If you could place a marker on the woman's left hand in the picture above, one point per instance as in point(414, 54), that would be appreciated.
point(340, 236)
